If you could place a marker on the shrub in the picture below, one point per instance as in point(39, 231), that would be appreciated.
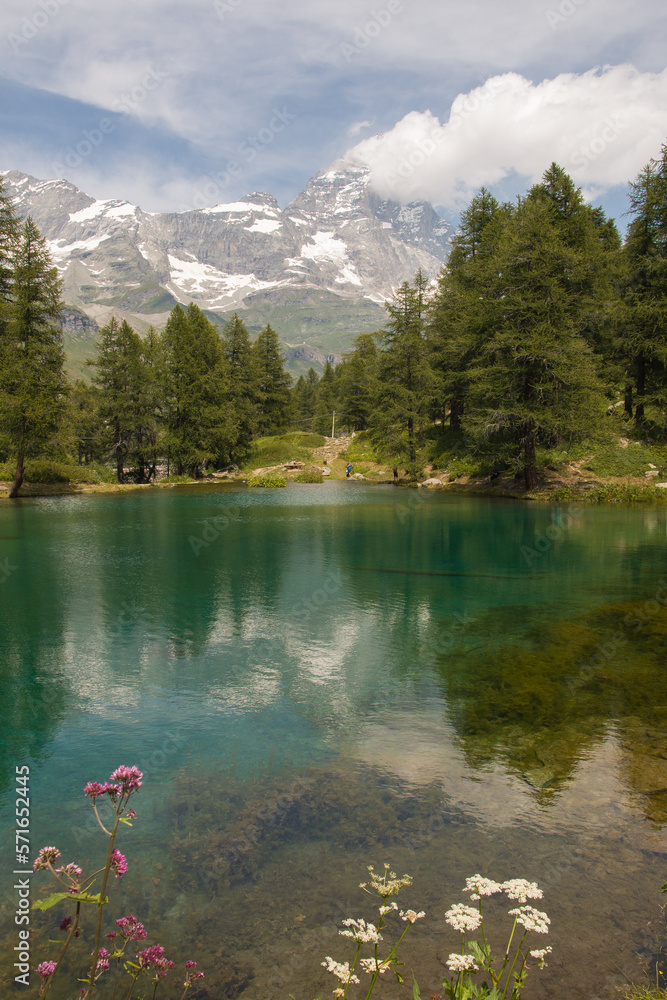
point(309, 476)
point(269, 480)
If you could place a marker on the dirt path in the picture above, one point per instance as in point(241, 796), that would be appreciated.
point(332, 448)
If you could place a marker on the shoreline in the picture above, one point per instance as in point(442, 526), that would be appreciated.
point(626, 490)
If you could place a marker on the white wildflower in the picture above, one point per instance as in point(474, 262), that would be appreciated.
point(386, 885)
point(519, 888)
point(463, 918)
point(360, 931)
point(540, 954)
point(411, 916)
point(532, 919)
point(479, 886)
point(388, 908)
point(338, 992)
point(341, 971)
point(462, 963)
point(370, 966)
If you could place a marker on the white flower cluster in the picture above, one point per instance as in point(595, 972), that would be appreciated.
point(388, 908)
point(370, 966)
point(462, 963)
point(518, 888)
point(360, 931)
point(386, 885)
point(532, 919)
point(341, 971)
point(540, 954)
point(463, 918)
point(480, 886)
point(411, 916)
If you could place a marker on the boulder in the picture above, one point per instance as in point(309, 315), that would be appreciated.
point(432, 482)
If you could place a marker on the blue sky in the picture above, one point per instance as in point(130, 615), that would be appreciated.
point(176, 105)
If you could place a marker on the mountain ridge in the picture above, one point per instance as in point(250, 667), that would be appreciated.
point(336, 244)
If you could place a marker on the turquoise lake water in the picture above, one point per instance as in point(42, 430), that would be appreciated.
point(319, 678)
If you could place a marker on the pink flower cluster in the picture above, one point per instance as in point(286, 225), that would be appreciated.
point(46, 968)
point(124, 781)
point(118, 863)
point(130, 928)
point(190, 974)
point(153, 958)
point(129, 777)
point(94, 790)
point(47, 856)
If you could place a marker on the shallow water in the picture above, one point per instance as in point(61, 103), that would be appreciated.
point(324, 677)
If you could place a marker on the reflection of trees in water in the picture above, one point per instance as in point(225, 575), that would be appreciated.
point(538, 706)
point(32, 625)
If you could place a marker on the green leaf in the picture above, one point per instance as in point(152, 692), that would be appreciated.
point(123, 820)
point(664, 888)
point(49, 901)
point(416, 995)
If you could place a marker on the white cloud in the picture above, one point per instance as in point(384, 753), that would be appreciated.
point(601, 126)
point(357, 127)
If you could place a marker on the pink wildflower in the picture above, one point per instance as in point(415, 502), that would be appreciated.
point(129, 777)
point(66, 924)
point(102, 960)
point(71, 870)
point(153, 957)
point(131, 929)
point(46, 856)
point(118, 863)
point(46, 968)
point(94, 789)
point(190, 974)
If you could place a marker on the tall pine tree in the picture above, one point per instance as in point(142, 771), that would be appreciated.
point(33, 384)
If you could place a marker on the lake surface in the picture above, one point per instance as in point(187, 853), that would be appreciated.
point(319, 678)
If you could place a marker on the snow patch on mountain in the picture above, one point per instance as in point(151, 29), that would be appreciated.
point(264, 226)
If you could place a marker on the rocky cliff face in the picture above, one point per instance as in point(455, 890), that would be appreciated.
point(336, 237)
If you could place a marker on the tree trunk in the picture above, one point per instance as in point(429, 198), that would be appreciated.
point(627, 406)
point(18, 478)
point(641, 388)
point(529, 468)
point(411, 440)
point(455, 412)
point(119, 462)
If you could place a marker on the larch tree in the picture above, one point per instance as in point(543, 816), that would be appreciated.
point(33, 384)
point(274, 383)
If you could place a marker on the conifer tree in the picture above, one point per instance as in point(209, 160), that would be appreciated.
point(33, 384)
point(458, 317)
point(534, 376)
point(357, 382)
point(325, 400)
point(407, 383)
point(200, 422)
point(641, 342)
point(118, 377)
point(244, 384)
point(274, 383)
